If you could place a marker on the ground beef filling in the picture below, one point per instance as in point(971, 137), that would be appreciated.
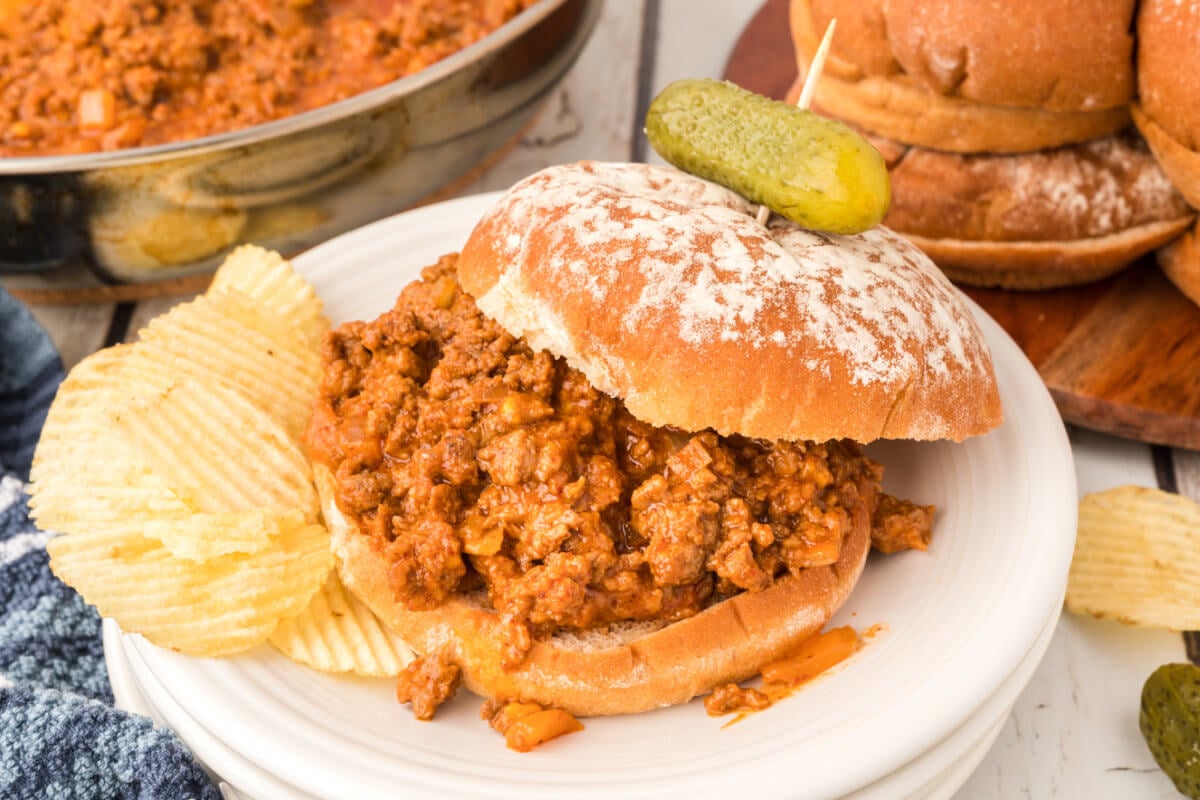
point(428, 682)
point(82, 75)
point(476, 462)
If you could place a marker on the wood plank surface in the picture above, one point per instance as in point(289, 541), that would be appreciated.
point(1120, 356)
point(77, 331)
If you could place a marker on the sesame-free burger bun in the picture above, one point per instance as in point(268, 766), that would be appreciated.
point(1168, 73)
point(973, 75)
point(664, 290)
point(1053, 218)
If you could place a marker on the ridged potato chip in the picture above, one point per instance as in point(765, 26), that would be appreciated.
point(1137, 559)
point(283, 331)
point(216, 607)
point(269, 280)
point(217, 451)
point(215, 338)
point(337, 633)
point(208, 535)
point(106, 378)
point(84, 475)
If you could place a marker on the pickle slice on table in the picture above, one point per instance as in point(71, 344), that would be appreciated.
point(1170, 723)
point(810, 169)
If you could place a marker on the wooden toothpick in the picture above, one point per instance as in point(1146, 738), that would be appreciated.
point(816, 68)
point(807, 90)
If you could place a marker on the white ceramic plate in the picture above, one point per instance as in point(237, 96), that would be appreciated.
point(125, 687)
point(940, 771)
point(958, 620)
point(934, 775)
point(136, 690)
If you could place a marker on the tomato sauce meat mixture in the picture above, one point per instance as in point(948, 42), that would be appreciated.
point(86, 75)
point(474, 462)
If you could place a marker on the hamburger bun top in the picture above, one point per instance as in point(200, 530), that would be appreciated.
point(1038, 220)
point(1075, 56)
point(1168, 72)
point(973, 75)
point(664, 291)
point(1168, 67)
point(1082, 191)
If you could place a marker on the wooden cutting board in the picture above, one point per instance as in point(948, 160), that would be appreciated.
point(1120, 356)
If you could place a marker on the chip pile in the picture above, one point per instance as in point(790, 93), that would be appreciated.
point(173, 467)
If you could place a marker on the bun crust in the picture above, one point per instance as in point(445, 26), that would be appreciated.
point(1168, 68)
point(1085, 191)
point(1178, 161)
point(1168, 73)
point(1045, 265)
point(948, 76)
point(664, 291)
point(895, 108)
point(1180, 262)
point(624, 672)
point(1036, 220)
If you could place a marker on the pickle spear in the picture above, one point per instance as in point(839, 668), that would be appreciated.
point(1170, 723)
point(812, 170)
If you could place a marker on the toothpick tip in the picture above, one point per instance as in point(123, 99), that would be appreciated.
point(816, 67)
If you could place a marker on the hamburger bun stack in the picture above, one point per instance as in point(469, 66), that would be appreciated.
point(1167, 113)
point(1006, 128)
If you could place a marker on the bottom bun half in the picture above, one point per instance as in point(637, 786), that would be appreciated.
point(1045, 265)
point(1180, 162)
point(634, 668)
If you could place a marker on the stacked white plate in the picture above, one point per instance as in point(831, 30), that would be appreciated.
point(961, 629)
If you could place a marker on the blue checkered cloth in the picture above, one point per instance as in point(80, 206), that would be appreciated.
point(61, 738)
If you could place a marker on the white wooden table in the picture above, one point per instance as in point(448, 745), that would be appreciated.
point(1074, 731)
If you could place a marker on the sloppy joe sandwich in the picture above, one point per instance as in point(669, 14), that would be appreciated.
point(1006, 128)
point(609, 456)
